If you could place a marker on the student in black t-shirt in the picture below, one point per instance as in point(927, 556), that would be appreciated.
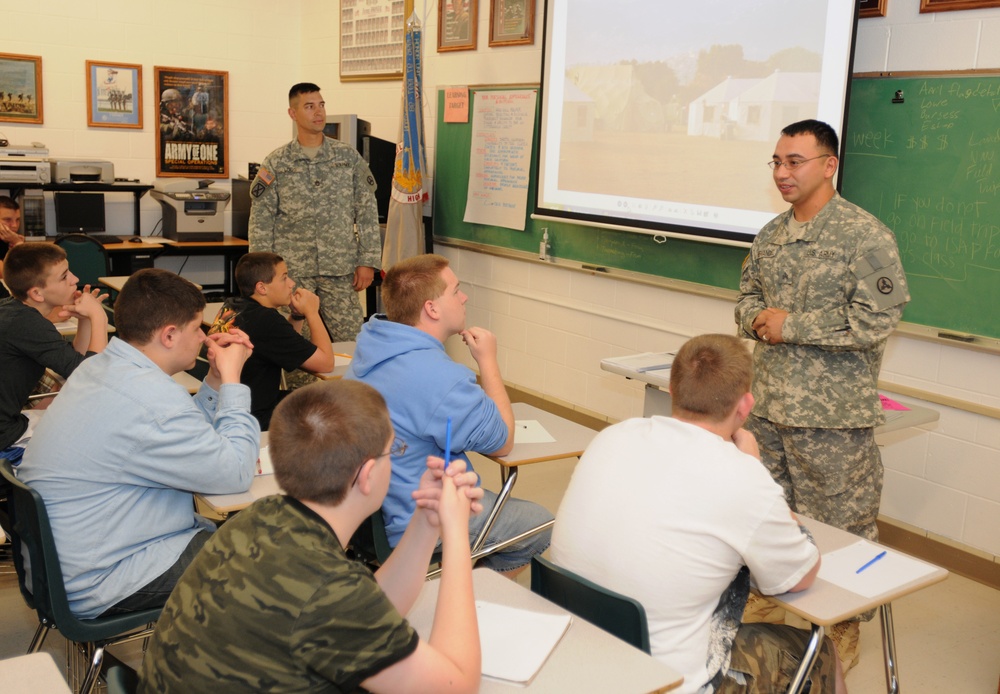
point(278, 344)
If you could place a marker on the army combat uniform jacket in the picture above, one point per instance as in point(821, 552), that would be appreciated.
point(304, 209)
point(841, 280)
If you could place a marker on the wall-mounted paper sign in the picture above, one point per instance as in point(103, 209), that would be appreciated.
point(456, 105)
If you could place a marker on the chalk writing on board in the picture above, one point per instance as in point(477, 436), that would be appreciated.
point(499, 163)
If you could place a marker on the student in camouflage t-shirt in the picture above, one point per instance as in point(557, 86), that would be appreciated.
point(273, 604)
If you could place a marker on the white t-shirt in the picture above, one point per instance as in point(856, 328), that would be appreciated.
point(667, 513)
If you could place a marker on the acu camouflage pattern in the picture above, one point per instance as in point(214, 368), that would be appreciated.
point(832, 475)
point(765, 657)
point(305, 210)
point(272, 604)
point(843, 285)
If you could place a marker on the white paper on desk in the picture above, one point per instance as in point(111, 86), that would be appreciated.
point(531, 431)
point(891, 571)
point(264, 465)
point(516, 643)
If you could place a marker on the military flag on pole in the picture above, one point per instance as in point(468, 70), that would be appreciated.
point(404, 233)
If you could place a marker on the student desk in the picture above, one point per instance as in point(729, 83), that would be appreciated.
point(586, 659)
point(116, 282)
point(824, 604)
point(67, 328)
point(32, 673)
point(342, 354)
point(262, 485)
point(657, 399)
point(571, 439)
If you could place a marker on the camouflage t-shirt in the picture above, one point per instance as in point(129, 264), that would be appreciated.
point(272, 604)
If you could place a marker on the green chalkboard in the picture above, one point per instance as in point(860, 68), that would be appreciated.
point(928, 165)
point(714, 265)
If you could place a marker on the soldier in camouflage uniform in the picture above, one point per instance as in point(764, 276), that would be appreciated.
point(314, 205)
point(821, 291)
point(272, 603)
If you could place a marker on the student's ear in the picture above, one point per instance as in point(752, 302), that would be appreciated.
point(35, 294)
point(168, 336)
point(260, 288)
point(364, 476)
point(744, 406)
point(431, 309)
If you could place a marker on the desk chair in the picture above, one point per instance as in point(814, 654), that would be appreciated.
point(617, 614)
point(88, 259)
point(41, 582)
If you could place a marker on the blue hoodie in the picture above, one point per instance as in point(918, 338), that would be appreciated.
point(422, 386)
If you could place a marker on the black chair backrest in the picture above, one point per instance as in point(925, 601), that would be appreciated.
point(40, 575)
point(617, 614)
point(88, 259)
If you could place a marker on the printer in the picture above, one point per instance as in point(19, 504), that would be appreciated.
point(192, 214)
point(82, 171)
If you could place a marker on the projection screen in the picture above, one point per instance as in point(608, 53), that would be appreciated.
point(660, 115)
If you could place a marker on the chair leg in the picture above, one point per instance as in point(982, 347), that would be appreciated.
point(93, 671)
point(38, 639)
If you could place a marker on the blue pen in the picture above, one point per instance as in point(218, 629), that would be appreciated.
point(875, 559)
point(447, 443)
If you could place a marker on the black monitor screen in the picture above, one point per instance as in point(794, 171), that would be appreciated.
point(79, 213)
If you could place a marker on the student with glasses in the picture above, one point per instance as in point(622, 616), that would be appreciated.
point(821, 290)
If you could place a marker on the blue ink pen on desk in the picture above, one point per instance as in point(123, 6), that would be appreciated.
point(447, 444)
point(869, 563)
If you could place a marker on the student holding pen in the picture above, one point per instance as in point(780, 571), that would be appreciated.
point(272, 603)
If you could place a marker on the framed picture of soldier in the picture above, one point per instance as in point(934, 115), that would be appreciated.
point(457, 25)
point(114, 95)
point(192, 139)
point(20, 88)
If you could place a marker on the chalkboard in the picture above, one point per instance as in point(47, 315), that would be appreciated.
point(927, 163)
point(928, 167)
point(718, 266)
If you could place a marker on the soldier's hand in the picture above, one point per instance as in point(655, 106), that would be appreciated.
point(363, 277)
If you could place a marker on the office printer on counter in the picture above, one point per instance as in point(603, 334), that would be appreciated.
point(191, 214)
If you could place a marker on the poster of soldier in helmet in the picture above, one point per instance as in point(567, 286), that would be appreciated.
point(192, 138)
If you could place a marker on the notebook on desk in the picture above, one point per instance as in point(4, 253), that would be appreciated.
point(516, 643)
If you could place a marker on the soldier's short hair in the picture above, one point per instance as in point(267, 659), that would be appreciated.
point(709, 375)
point(252, 268)
point(301, 88)
point(411, 282)
point(321, 435)
point(28, 265)
point(826, 137)
point(153, 299)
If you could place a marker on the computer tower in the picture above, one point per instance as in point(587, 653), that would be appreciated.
point(381, 157)
point(239, 207)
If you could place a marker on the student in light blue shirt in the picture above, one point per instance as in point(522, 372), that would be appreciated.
point(123, 448)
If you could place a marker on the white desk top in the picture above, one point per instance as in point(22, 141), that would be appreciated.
point(262, 485)
point(117, 282)
point(586, 659)
point(895, 420)
point(825, 603)
point(32, 674)
point(68, 327)
point(342, 353)
point(571, 439)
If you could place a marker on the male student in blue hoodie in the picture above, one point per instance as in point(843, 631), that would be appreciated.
point(401, 354)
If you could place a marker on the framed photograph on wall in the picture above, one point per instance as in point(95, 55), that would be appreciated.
point(512, 22)
point(872, 8)
point(949, 5)
point(458, 22)
point(114, 95)
point(21, 88)
point(193, 135)
point(371, 40)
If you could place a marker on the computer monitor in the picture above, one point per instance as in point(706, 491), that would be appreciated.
point(79, 213)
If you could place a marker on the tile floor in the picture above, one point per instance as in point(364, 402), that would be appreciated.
point(947, 636)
